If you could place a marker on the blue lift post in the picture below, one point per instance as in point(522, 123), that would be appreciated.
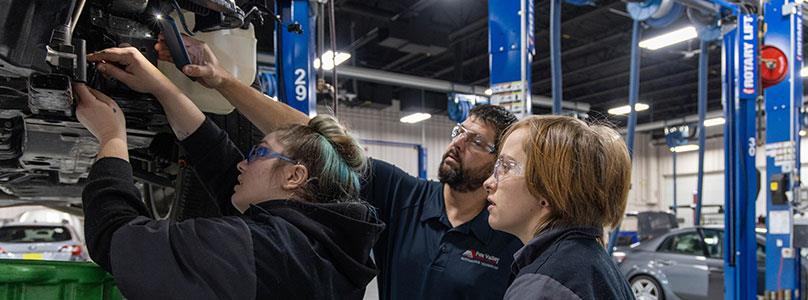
point(511, 48)
point(294, 53)
point(704, 55)
point(633, 94)
point(782, 102)
point(739, 63)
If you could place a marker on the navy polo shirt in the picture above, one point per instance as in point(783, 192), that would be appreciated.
point(420, 255)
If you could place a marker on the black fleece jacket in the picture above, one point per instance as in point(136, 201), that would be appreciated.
point(567, 263)
point(277, 249)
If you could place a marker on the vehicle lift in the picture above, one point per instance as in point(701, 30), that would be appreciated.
point(746, 71)
point(782, 57)
point(739, 28)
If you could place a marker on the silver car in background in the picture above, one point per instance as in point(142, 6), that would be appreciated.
point(685, 263)
point(41, 241)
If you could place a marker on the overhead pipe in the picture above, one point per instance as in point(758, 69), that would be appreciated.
point(704, 56)
point(410, 81)
point(555, 55)
point(633, 93)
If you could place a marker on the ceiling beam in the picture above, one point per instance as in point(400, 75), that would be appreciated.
point(649, 97)
point(568, 53)
point(674, 78)
point(613, 78)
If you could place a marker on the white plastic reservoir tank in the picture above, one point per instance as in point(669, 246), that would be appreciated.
point(235, 49)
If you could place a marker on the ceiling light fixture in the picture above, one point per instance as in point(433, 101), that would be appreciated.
point(415, 118)
point(625, 109)
point(714, 122)
point(328, 60)
point(685, 148)
point(670, 38)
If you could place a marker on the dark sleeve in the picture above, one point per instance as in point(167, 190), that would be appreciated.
point(110, 200)
point(203, 258)
point(389, 188)
point(215, 159)
point(149, 259)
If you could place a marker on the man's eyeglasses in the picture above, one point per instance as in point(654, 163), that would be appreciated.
point(474, 138)
point(264, 152)
point(504, 166)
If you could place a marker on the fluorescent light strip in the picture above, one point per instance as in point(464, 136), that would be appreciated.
point(415, 118)
point(685, 148)
point(670, 38)
point(625, 109)
point(714, 122)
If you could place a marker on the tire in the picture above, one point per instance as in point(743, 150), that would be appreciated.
point(646, 288)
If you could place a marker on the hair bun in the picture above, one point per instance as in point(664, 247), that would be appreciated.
point(345, 144)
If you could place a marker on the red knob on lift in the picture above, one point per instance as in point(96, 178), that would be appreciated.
point(773, 66)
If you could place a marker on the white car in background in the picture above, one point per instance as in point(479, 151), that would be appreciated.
point(41, 241)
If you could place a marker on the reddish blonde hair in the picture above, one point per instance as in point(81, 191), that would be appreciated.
point(583, 171)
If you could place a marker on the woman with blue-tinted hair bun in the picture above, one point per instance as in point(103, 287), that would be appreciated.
point(291, 224)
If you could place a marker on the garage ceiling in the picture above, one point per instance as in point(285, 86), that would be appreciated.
point(448, 40)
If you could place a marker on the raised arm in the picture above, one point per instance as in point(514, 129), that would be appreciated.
point(264, 112)
point(128, 65)
point(212, 154)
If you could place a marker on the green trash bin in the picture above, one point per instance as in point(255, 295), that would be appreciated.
point(44, 280)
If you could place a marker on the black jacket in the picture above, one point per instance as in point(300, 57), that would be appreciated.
point(277, 249)
point(567, 263)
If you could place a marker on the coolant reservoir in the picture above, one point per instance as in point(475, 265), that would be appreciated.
point(235, 49)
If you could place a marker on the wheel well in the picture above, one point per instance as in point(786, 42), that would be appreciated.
point(644, 275)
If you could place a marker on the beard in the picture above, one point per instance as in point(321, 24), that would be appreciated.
point(460, 179)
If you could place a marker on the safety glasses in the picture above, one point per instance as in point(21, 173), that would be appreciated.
point(259, 151)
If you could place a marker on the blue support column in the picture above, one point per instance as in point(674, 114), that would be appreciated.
point(294, 54)
point(675, 206)
point(421, 161)
point(782, 102)
point(633, 93)
point(739, 63)
point(634, 84)
point(511, 48)
point(555, 55)
point(704, 56)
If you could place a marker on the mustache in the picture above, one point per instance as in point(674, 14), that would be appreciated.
point(452, 153)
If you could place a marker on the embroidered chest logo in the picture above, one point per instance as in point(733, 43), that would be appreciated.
point(476, 257)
